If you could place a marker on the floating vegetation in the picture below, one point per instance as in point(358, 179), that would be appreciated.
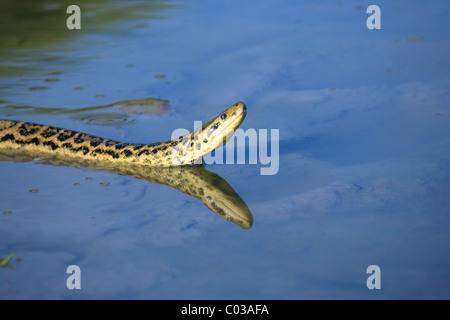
point(412, 39)
point(37, 88)
point(55, 73)
point(51, 80)
point(114, 114)
point(4, 262)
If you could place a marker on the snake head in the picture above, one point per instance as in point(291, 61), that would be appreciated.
point(211, 136)
point(216, 133)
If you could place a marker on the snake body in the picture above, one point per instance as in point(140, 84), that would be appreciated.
point(185, 150)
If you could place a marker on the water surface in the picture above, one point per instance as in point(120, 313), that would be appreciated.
point(363, 176)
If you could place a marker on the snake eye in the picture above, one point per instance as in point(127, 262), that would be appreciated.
point(223, 116)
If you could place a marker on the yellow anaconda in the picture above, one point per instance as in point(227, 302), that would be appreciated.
point(188, 149)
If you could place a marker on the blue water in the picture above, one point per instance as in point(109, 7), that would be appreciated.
point(363, 179)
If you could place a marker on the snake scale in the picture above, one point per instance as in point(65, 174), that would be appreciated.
point(185, 150)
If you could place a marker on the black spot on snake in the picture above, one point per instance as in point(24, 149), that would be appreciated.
point(127, 153)
point(24, 131)
point(119, 146)
point(78, 138)
point(49, 132)
point(35, 141)
point(51, 144)
point(95, 143)
point(65, 135)
point(143, 152)
point(67, 145)
point(112, 154)
point(7, 137)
